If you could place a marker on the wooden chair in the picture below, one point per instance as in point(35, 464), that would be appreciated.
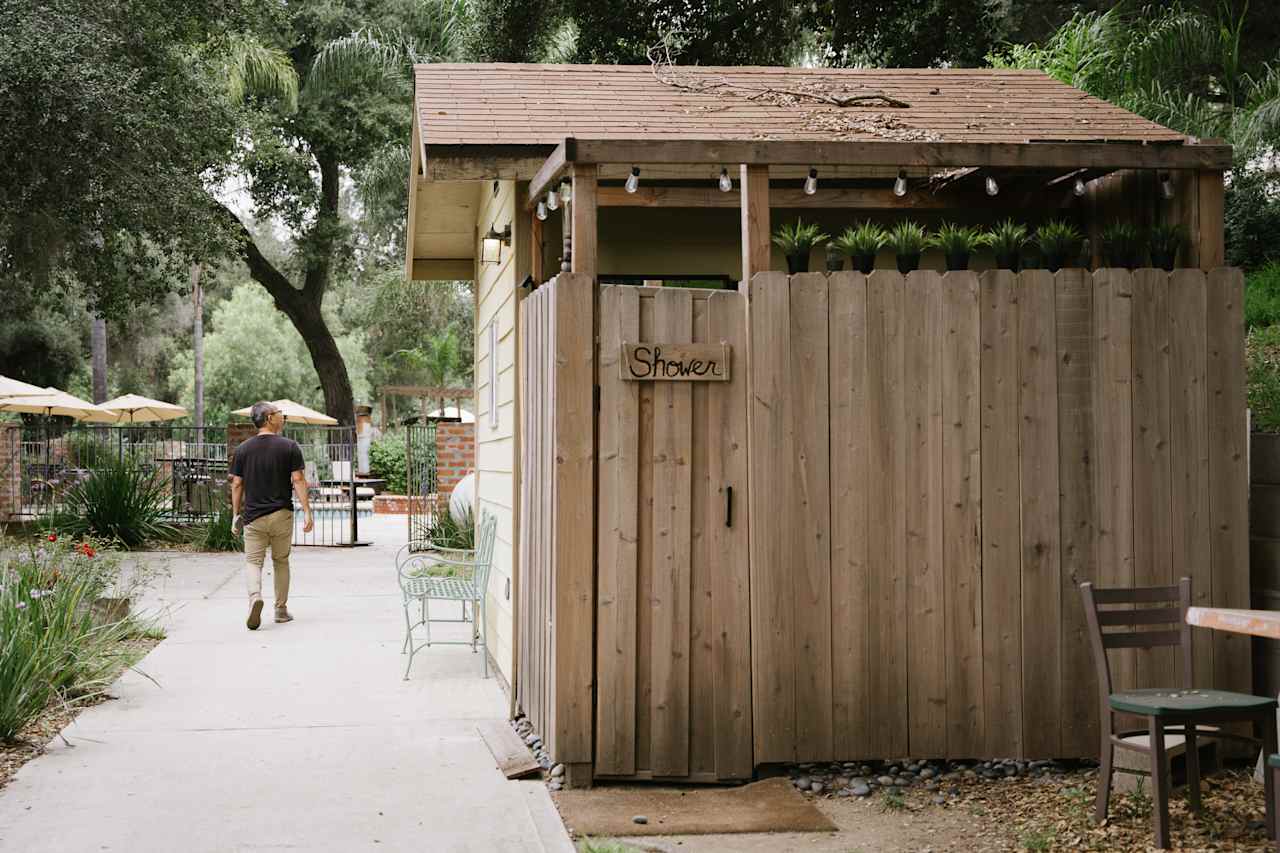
point(1168, 710)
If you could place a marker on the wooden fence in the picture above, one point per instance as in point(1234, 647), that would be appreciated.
point(938, 460)
point(554, 585)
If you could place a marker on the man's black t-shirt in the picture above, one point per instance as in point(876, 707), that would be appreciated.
point(265, 464)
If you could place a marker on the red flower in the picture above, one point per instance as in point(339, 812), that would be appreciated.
point(53, 537)
point(86, 549)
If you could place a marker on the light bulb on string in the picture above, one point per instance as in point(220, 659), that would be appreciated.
point(992, 187)
point(566, 192)
point(811, 182)
point(541, 212)
point(1166, 185)
point(1078, 187)
point(900, 183)
point(726, 184)
point(553, 199)
point(633, 180)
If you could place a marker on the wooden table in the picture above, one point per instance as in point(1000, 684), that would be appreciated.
point(1259, 623)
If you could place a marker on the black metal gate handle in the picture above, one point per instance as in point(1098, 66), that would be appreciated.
point(728, 506)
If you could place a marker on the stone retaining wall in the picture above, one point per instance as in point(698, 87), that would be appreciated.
point(10, 470)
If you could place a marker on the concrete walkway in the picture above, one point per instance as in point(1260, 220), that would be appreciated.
point(295, 737)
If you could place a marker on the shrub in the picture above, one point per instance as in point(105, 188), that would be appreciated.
point(216, 534)
point(1253, 217)
point(798, 239)
point(954, 239)
point(52, 647)
point(388, 460)
point(1059, 242)
point(445, 532)
point(1007, 240)
point(1262, 371)
point(120, 502)
point(1262, 296)
point(866, 239)
point(1123, 245)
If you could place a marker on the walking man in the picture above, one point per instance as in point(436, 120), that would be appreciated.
point(265, 474)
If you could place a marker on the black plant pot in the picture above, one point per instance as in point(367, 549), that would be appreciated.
point(835, 261)
point(1122, 260)
point(1164, 260)
point(1054, 262)
point(907, 263)
point(1008, 262)
point(957, 261)
point(799, 262)
point(864, 263)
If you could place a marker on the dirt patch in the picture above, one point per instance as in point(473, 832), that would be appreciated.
point(1038, 813)
point(33, 739)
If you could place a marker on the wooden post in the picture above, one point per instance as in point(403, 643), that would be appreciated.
point(582, 210)
point(755, 220)
point(1210, 203)
point(535, 249)
point(573, 518)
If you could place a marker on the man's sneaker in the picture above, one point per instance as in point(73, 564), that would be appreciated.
point(282, 615)
point(255, 615)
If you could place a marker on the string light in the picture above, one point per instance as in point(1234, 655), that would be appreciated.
point(725, 183)
point(553, 199)
point(992, 187)
point(1078, 186)
point(633, 180)
point(541, 212)
point(1166, 185)
point(900, 183)
point(566, 192)
point(811, 182)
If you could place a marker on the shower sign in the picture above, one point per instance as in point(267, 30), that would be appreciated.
point(675, 362)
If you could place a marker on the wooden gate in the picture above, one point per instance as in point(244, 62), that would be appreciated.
point(673, 663)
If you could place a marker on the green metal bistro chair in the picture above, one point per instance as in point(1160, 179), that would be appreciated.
point(447, 574)
point(1181, 711)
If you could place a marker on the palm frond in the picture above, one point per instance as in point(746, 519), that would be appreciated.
point(349, 60)
point(1260, 127)
point(253, 68)
point(381, 183)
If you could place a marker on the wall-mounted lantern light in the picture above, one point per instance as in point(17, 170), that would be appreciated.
point(491, 245)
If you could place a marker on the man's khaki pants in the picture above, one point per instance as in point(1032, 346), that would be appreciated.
point(274, 531)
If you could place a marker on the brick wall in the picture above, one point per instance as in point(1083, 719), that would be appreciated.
point(10, 470)
point(455, 454)
point(236, 434)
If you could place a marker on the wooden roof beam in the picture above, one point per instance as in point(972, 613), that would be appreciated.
point(1029, 155)
point(552, 169)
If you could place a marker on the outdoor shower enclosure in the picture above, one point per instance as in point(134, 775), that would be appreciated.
point(862, 539)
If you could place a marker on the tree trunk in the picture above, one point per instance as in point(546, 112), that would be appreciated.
point(197, 341)
point(339, 402)
point(98, 344)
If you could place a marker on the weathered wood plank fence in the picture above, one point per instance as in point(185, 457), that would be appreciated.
point(937, 460)
point(922, 467)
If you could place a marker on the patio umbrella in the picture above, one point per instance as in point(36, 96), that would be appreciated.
point(134, 409)
point(295, 412)
point(51, 402)
point(16, 388)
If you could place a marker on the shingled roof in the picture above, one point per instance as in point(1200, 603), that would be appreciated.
point(535, 105)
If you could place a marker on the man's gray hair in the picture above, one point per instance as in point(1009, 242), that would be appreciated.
point(262, 411)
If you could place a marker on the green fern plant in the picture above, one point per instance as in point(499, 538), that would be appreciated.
point(796, 242)
point(1165, 240)
point(908, 240)
point(1060, 243)
point(1122, 245)
point(861, 244)
point(1007, 240)
point(957, 243)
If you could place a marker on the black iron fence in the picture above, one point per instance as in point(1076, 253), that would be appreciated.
point(41, 465)
point(420, 477)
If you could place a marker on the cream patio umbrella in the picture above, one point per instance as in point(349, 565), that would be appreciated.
point(295, 412)
point(17, 388)
point(134, 408)
point(51, 401)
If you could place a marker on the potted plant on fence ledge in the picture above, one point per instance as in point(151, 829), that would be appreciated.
point(1059, 242)
point(1122, 246)
point(862, 244)
point(1166, 240)
point(1007, 240)
point(957, 243)
point(908, 240)
point(796, 242)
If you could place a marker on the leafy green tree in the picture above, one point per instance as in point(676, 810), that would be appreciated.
point(114, 120)
point(905, 33)
point(511, 30)
point(352, 103)
point(252, 353)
